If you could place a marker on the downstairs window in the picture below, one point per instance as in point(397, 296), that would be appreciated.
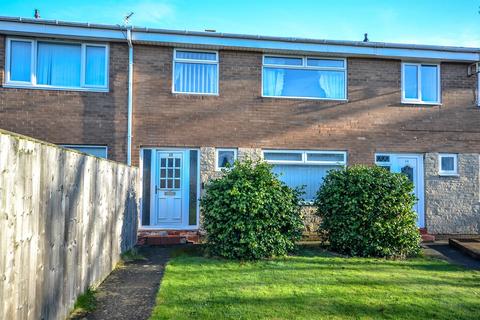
point(305, 169)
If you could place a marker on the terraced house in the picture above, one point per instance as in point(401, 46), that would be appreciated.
point(181, 105)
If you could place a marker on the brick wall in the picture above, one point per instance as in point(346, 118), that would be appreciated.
point(71, 117)
point(373, 119)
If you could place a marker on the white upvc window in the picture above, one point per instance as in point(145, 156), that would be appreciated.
point(225, 158)
point(384, 161)
point(421, 83)
point(195, 72)
point(62, 65)
point(307, 169)
point(304, 77)
point(447, 164)
point(97, 151)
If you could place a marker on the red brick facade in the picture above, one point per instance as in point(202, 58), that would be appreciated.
point(373, 119)
point(71, 117)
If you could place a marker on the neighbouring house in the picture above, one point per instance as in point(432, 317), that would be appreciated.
point(182, 104)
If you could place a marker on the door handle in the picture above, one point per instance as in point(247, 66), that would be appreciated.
point(157, 189)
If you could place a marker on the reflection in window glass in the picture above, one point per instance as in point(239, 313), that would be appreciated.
point(225, 158)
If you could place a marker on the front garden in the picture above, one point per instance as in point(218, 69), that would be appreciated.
point(313, 284)
point(369, 266)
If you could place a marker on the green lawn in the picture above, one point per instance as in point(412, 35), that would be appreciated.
point(316, 285)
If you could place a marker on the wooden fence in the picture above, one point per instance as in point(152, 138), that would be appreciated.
point(65, 218)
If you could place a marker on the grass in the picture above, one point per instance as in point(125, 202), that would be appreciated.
point(86, 302)
point(316, 285)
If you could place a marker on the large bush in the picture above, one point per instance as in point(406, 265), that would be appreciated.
point(250, 214)
point(368, 211)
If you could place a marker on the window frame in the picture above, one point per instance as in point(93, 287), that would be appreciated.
point(453, 172)
point(195, 61)
point(217, 153)
point(384, 164)
point(32, 84)
point(305, 66)
point(304, 160)
point(419, 82)
point(72, 146)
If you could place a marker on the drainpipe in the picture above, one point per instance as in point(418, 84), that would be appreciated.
point(130, 96)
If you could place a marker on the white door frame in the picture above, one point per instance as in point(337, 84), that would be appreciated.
point(186, 191)
point(420, 177)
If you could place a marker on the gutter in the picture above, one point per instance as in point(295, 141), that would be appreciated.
point(130, 96)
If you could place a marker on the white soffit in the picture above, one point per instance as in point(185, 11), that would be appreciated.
point(45, 28)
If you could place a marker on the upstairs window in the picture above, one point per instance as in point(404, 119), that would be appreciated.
point(304, 77)
point(195, 72)
point(420, 83)
point(58, 65)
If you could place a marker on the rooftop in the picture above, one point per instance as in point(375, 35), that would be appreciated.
point(43, 27)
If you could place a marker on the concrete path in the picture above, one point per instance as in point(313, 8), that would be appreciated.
point(441, 249)
point(130, 291)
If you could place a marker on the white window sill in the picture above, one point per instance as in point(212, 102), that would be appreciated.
point(196, 94)
point(305, 98)
point(446, 174)
point(20, 86)
point(422, 103)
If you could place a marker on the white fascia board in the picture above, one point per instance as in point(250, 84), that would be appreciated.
point(71, 32)
point(343, 50)
point(266, 45)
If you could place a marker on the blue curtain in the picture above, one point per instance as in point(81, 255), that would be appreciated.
point(95, 66)
point(58, 64)
point(195, 77)
point(20, 60)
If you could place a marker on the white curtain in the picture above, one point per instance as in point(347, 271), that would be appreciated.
point(196, 77)
point(58, 64)
point(273, 81)
point(332, 83)
point(95, 66)
point(20, 60)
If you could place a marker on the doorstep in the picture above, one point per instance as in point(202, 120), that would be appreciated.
point(167, 237)
point(467, 246)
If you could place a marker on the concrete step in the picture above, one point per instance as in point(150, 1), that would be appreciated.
point(468, 246)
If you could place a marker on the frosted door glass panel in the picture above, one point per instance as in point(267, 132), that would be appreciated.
point(448, 163)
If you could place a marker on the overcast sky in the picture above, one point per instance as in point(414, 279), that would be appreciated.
point(439, 22)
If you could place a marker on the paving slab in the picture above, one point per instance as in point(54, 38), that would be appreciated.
point(442, 250)
point(129, 292)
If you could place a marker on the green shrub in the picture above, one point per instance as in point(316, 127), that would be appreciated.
point(250, 214)
point(368, 211)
